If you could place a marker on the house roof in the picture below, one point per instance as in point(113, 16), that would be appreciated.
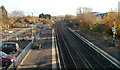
point(99, 14)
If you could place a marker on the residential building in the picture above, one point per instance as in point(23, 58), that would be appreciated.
point(3, 14)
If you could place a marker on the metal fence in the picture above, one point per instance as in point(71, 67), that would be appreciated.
point(21, 56)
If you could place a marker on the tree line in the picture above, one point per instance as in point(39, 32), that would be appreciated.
point(86, 19)
point(45, 16)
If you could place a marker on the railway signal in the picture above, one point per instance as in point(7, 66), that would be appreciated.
point(114, 32)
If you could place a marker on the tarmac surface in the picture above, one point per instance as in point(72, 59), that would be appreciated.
point(37, 59)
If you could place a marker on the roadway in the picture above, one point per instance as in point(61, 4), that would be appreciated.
point(76, 54)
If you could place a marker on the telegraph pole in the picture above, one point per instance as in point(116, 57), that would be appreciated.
point(32, 28)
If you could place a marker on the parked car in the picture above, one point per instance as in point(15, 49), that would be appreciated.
point(31, 23)
point(6, 59)
point(8, 47)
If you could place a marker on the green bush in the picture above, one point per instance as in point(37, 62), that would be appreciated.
point(99, 28)
point(118, 32)
point(36, 44)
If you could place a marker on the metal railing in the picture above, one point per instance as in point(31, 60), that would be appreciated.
point(99, 50)
point(21, 56)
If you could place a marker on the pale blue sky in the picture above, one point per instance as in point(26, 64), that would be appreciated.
point(57, 7)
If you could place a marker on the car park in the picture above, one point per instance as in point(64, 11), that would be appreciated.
point(8, 47)
point(6, 59)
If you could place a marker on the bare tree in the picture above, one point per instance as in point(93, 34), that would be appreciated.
point(84, 10)
point(79, 10)
point(17, 14)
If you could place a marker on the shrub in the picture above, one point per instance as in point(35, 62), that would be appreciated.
point(36, 44)
point(99, 28)
point(118, 32)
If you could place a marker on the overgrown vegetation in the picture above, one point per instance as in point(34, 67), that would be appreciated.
point(18, 19)
point(89, 20)
point(46, 18)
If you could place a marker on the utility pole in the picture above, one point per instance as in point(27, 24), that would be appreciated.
point(32, 29)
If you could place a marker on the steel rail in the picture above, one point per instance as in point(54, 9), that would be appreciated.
point(100, 51)
point(86, 51)
point(60, 50)
point(79, 54)
point(68, 51)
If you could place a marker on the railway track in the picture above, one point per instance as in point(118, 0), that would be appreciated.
point(69, 57)
point(77, 54)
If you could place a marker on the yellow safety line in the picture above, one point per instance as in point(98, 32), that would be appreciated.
point(23, 60)
point(53, 52)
